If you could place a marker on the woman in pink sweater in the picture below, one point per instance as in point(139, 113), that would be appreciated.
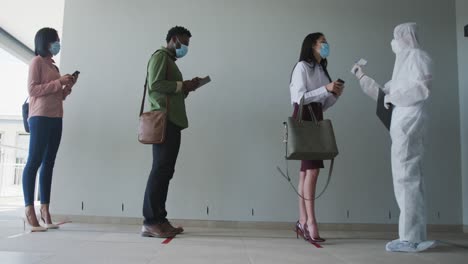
point(47, 91)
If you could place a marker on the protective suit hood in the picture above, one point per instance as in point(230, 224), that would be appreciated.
point(412, 73)
point(406, 36)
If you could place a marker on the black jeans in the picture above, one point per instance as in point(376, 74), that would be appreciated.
point(164, 161)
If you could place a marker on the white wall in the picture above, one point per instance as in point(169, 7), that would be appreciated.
point(462, 20)
point(230, 152)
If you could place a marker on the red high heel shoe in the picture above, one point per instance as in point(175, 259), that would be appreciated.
point(310, 239)
point(301, 232)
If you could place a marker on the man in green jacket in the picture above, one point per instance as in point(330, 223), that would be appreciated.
point(167, 91)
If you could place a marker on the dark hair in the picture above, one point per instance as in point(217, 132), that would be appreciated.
point(307, 52)
point(43, 38)
point(177, 31)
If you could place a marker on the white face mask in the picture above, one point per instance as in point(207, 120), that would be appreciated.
point(396, 47)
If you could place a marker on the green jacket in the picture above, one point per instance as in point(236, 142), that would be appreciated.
point(165, 80)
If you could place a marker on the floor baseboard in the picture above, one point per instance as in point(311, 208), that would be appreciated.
point(255, 225)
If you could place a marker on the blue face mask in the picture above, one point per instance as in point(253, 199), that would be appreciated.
point(324, 50)
point(54, 48)
point(182, 51)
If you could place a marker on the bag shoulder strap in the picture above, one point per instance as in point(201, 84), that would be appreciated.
point(300, 111)
point(146, 84)
point(286, 176)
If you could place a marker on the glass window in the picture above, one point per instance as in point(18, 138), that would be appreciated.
point(13, 140)
point(22, 143)
point(13, 84)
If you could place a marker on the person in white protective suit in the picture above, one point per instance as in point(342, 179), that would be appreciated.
point(407, 92)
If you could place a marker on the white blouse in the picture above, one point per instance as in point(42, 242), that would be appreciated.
point(310, 82)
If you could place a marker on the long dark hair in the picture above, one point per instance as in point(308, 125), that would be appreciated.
point(43, 38)
point(307, 52)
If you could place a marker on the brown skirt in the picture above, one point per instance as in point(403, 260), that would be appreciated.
point(317, 109)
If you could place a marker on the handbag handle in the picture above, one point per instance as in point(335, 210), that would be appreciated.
point(300, 113)
point(146, 83)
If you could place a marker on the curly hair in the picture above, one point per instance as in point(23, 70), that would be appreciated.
point(176, 31)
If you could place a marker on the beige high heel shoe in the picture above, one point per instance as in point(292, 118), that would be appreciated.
point(38, 228)
point(48, 226)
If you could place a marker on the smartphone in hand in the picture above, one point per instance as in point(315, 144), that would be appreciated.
point(204, 81)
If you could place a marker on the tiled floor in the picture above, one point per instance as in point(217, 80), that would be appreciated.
point(86, 244)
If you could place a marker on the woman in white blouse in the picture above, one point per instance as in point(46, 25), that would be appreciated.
point(310, 80)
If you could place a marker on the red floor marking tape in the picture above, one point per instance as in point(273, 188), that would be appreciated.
point(65, 222)
point(167, 241)
point(317, 245)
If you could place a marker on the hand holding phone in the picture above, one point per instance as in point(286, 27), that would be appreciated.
point(338, 87)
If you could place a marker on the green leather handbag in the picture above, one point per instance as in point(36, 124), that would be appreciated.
point(310, 140)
